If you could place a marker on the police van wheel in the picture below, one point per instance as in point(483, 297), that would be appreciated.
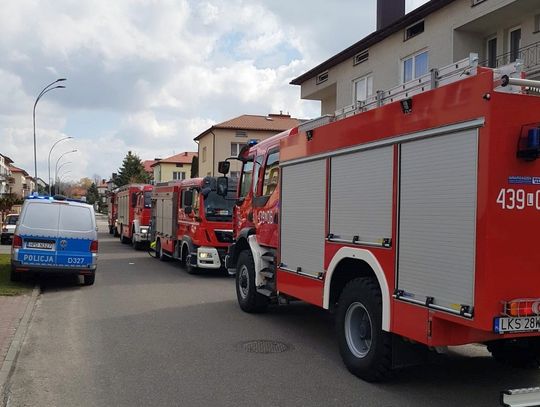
point(248, 297)
point(89, 279)
point(14, 276)
point(365, 348)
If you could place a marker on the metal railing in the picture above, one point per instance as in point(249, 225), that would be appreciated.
point(529, 55)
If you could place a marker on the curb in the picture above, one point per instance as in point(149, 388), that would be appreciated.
point(16, 344)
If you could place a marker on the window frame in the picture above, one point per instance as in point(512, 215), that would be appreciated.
point(510, 31)
point(407, 37)
point(488, 40)
point(358, 80)
point(203, 154)
point(413, 57)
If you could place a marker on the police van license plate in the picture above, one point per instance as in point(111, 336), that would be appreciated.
point(40, 245)
point(503, 325)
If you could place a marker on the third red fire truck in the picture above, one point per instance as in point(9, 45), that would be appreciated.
point(112, 213)
point(414, 218)
point(134, 208)
point(192, 223)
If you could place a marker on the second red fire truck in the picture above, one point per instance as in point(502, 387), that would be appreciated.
point(415, 218)
point(192, 223)
point(134, 207)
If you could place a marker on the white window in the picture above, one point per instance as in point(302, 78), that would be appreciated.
point(514, 43)
point(362, 88)
point(491, 52)
point(178, 175)
point(414, 66)
point(235, 149)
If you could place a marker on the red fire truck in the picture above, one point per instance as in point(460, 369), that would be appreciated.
point(415, 216)
point(134, 210)
point(112, 215)
point(192, 223)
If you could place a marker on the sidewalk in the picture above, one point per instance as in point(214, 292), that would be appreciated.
point(11, 311)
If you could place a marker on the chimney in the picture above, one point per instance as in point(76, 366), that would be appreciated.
point(389, 11)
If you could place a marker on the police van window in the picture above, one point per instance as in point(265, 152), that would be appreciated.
point(256, 171)
point(245, 183)
point(75, 218)
point(148, 199)
point(271, 173)
point(41, 216)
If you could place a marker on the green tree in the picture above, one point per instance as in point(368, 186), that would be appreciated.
point(6, 202)
point(92, 194)
point(131, 171)
point(195, 167)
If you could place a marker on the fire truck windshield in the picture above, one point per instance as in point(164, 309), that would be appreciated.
point(218, 208)
point(148, 199)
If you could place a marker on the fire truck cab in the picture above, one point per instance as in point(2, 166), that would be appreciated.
point(192, 223)
point(134, 209)
point(414, 217)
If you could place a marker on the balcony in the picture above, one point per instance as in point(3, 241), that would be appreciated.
point(529, 55)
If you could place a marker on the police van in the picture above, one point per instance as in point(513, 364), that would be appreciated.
point(55, 235)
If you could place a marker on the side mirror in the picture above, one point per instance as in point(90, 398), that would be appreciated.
point(206, 191)
point(222, 185)
point(133, 200)
point(188, 210)
point(223, 167)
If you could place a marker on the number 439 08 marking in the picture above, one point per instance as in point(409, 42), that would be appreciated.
point(510, 198)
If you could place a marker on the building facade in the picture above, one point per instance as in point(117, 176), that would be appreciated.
point(434, 35)
point(226, 139)
point(176, 167)
point(6, 177)
point(23, 184)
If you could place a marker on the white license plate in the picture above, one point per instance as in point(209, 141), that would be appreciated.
point(40, 245)
point(517, 324)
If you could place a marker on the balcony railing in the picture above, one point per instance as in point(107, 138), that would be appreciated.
point(529, 55)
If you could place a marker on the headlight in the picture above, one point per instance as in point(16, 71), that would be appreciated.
point(144, 231)
point(205, 255)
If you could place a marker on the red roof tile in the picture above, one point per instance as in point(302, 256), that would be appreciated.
point(272, 122)
point(182, 158)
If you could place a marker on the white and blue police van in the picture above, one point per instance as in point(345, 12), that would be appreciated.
point(55, 235)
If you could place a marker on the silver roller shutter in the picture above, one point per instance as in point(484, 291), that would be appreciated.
point(437, 219)
point(361, 195)
point(303, 200)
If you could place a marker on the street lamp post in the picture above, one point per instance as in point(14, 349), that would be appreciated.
point(57, 161)
point(60, 179)
point(43, 91)
point(49, 159)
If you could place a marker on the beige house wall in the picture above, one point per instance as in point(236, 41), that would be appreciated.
point(164, 172)
point(450, 34)
point(222, 148)
point(22, 185)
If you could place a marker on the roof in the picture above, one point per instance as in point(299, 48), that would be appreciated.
point(272, 122)
point(183, 158)
point(373, 38)
point(16, 169)
point(9, 160)
point(148, 165)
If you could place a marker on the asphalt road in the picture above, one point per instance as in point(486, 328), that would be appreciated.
point(149, 334)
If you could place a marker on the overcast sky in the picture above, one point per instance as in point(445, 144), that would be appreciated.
point(150, 75)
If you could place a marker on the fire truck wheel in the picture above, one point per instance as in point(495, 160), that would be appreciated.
point(159, 252)
point(365, 348)
point(523, 353)
point(123, 239)
point(111, 230)
point(136, 245)
point(248, 297)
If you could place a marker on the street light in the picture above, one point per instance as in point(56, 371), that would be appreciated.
point(60, 179)
point(43, 91)
point(61, 165)
point(57, 161)
point(49, 160)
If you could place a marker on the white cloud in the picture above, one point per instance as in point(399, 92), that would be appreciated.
point(149, 76)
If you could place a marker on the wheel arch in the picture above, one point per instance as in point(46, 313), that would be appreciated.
point(349, 263)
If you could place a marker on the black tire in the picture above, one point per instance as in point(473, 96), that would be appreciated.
point(520, 353)
point(111, 230)
point(159, 252)
point(14, 276)
point(123, 239)
point(365, 348)
point(246, 293)
point(115, 232)
point(136, 245)
point(191, 269)
point(89, 279)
